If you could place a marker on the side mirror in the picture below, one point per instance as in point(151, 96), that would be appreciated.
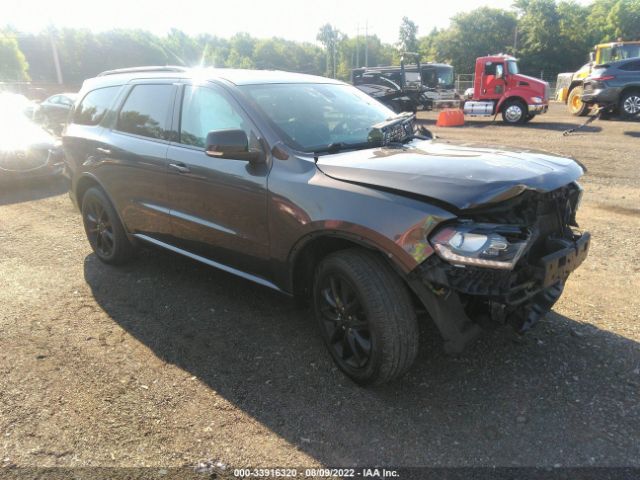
point(499, 74)
point(592, 57)
point(232, 145)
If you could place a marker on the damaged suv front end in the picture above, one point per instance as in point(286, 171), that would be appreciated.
point(505, 263)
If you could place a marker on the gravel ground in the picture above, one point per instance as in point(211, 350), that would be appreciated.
point(166, 362)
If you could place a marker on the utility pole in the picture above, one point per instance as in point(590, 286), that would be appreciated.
point(334, 56)
point(357, 45)
point(366, 44)
point(515, 41)
point(56, 60)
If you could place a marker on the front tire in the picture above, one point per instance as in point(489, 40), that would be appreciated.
point(366, 317)
point(630, 104)
point(104, 230)
point(576, 106)
point(514, 112)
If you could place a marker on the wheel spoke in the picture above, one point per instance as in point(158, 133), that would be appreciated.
point(326, 293)
point(361, 342)
point(334, 291)
point(108, 236)
point(355, 354)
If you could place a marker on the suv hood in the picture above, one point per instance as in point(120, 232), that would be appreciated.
point(463, 176)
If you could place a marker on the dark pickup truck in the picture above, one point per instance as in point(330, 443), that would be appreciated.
point(310, 187)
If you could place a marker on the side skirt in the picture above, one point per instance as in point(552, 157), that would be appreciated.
point(211, 263)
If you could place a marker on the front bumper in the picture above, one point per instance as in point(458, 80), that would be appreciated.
point(463, 299)
point(12, 169)
point(538, 108)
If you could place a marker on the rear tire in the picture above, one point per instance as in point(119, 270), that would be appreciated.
point(630, 104)
point(104, 230)
point(514, 112)
point(576, 106)
point(366, 316)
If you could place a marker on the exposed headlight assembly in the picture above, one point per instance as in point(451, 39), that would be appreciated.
point(481, 245)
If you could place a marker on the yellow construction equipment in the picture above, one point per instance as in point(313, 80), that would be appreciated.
point(569, 85)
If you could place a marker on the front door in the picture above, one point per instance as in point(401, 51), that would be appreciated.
point(218, 205)
point(493, 81)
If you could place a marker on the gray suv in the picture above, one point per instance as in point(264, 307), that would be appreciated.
point(615, 86)
point(308, 186)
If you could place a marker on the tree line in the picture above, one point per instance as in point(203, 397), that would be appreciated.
point(549, 36)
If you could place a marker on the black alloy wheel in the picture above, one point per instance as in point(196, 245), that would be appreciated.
point(99, 228)
point(104, 230)
point(344, 321)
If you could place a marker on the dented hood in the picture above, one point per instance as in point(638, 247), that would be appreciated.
point(464, 176)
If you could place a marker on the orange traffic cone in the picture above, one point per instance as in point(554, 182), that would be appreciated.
point(450, 117)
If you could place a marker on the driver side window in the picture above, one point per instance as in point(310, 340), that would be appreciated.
point(204, 110)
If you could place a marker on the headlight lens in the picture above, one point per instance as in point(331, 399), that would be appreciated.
point(537, 99)
point(482, 245)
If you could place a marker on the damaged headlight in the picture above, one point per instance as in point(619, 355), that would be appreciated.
point(482, 245)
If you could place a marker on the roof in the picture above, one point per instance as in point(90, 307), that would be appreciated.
point(235, 76)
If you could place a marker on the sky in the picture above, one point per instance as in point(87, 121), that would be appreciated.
point(291, 19)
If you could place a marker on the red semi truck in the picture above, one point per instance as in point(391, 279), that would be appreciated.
point(498, 87)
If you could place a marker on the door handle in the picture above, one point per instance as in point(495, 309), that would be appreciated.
point(104, 151)
point(180, 167)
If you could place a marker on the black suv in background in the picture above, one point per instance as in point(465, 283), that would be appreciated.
point(615, 86)
point(310, 187)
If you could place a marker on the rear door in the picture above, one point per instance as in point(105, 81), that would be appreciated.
point(218, 205)
point(134, 163)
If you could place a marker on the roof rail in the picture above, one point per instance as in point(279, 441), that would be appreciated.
point(167, 68)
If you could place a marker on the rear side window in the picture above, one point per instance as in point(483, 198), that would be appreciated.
point(147, 111)
point(631, 66)
point(94, 105)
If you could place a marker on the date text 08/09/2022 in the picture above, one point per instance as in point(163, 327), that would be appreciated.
point(316, 473)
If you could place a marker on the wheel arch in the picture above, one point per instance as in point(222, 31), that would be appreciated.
point(509, 99)
point(630, 88)
point(311, 249)
point(87, 181)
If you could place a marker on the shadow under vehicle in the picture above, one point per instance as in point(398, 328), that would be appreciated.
point(310, 187)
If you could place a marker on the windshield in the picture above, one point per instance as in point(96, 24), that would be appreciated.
point(412, 77)
point(445, 76)
point(512, 67)
point(619, 52)
point(312, 116)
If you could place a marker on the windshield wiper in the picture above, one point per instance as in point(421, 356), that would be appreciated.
point(337, 147)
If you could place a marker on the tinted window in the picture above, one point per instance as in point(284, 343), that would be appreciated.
point(93, 107)
point(631, 66)
point(512, 67)
point(147, 111)
point(205, 110)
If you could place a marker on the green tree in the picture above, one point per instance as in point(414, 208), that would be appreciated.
point(13, 65)
point(624, 20)
point(330, 38)
point(408, 36)
point(483, 31)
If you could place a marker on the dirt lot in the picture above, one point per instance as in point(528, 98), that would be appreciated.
point(167, 362)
